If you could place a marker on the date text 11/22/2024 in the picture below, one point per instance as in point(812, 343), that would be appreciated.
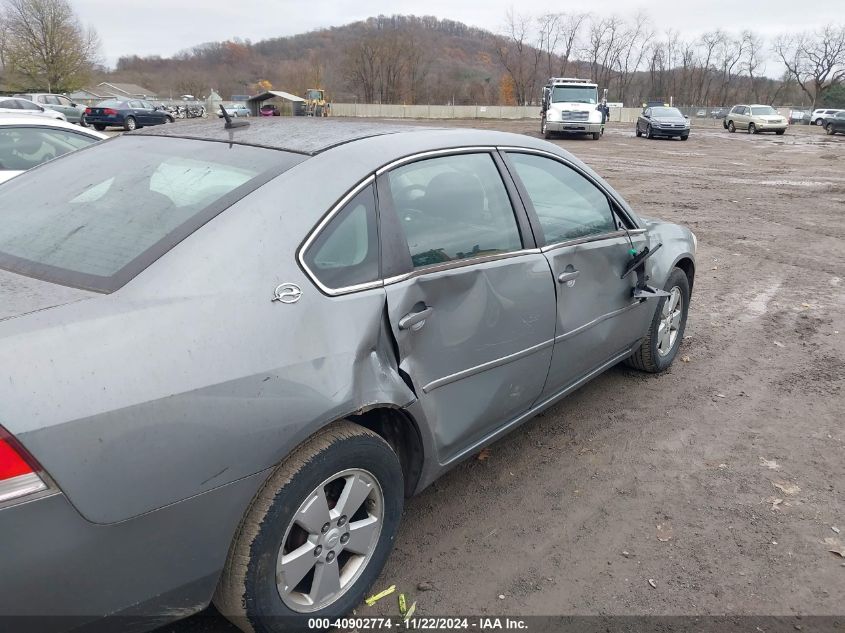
point(420, 624)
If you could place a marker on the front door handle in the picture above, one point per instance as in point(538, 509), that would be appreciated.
point(415, 320)
point(569, 275)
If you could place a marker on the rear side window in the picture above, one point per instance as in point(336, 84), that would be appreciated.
point(567, 204)
point(346, 252)
point(453, 208)
point(97, 218)
point(27, 105)
point(23, 148)
point(12, 104)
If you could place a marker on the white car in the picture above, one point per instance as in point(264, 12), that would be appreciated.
point(235, 110)
point(18, 106)
point(818, 116)
point(28, 141)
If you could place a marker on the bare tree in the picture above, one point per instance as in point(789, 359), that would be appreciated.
point(519, 58)
point(753, 62)
point(47, 46)
point(816, 60)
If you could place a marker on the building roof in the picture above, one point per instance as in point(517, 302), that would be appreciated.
point(125, 90)
point(304, 135)
point(275, 93)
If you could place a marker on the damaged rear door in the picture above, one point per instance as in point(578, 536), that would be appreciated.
point(471, 301)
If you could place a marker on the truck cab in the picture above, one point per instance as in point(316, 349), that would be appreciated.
point(572, 106)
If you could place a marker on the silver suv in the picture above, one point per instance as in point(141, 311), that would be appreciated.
point(73, 112)
point(754, 119)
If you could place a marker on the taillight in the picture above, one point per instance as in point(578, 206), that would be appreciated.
point(109, 112)
point(18, 470)
point(87, 110)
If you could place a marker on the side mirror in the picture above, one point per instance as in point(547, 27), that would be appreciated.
point(647, 116)
point(686, 116)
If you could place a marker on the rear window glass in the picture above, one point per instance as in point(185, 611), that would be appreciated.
point(23, 148)
point(97, 218)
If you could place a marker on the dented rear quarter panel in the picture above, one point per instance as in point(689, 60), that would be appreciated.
point(190, 377)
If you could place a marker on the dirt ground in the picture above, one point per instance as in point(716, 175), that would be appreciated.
point(720, 480)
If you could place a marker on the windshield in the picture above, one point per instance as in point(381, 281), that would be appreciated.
point(667, 112)
point(761, 110)
point(575, 94)
point(98, 217)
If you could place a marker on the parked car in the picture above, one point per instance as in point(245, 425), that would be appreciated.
point(24, 107)
point(701, 114)
point(798, 116)
point(242, 394)
point(270, 109)
point(668, 122)
point(835, 123)
point(74, 113)
point(26, 142)
point(235, 110)
point(129, 114)
point(719, 113)
point(818, 116)
point(754, 119)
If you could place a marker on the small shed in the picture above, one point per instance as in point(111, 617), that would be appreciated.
point(297, 103)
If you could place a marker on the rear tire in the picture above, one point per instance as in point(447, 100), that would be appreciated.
point(596, 136)
point(683, 138)
point(650, 356)
point(819, 121)
point(99, 127)
point(274, 526)
point(130, 124)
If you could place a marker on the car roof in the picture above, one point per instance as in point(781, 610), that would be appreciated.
point(21, 120)
point(303, 135)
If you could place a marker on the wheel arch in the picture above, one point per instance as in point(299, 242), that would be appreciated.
point(399, 429)
point(686, 264)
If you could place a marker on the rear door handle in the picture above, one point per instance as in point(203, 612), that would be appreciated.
point(570, 275)
point(412, 319)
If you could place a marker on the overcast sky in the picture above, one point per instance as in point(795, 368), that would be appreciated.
point(164, 27)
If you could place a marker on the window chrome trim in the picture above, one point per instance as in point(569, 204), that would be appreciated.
point(492, 364)
point(584, 240)
point(315, 233)
point(459, 263)
point(433, 154)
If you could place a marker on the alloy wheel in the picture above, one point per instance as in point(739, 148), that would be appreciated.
point(330, 540)
point(670, 321)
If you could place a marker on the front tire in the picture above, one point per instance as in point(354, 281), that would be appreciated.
point(648, 132)
point(684, 137)
point(596, 136)
point(637, 132)
point(666, 331)
point(829, 129)
point(544, 129)
point(316, 535)
point(731, 127)
point(752, 129)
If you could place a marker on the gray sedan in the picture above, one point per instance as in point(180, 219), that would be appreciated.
point(662, 121)
point(231, 354)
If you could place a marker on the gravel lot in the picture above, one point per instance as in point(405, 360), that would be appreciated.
point(720, 480)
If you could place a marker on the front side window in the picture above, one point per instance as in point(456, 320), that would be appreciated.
point(64, 101)
point(23, 148)
point(98, 220)
point(346, 252)
point(453, 208)
point(568, 205)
